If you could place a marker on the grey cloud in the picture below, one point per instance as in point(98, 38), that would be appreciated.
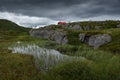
point(62, 9)
point(54, 8)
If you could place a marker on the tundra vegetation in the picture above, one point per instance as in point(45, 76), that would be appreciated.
point(101, 63)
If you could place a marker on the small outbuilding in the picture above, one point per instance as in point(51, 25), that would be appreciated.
point(62, 23)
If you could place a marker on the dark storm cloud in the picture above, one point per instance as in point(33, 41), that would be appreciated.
point(62, 9)
point(55, 8)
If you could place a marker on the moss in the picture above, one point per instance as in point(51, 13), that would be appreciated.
point(73, 37)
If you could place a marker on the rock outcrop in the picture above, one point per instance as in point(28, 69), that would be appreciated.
point(86, 28)
point(0, 37)
point(78, 27)
point(98, 40)
point(75, 27)
point(82, 37)
point(98, 27)
point(118, 26)
point(95, 40)
point(58, 36)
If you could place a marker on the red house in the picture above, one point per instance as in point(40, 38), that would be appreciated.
point(62, 23)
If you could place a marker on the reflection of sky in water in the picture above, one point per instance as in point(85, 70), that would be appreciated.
point(44, 58)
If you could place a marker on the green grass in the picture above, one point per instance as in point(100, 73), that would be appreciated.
point(113, 46)
point(9, 30)
point(87, 71)
point(16, 66)
point(73, 37)
point(7, 25)
point(106, 24)
point(100, 64)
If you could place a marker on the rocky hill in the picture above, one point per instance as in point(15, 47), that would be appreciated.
point(103, 34)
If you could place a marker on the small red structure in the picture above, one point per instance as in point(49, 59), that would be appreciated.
point(62, 23)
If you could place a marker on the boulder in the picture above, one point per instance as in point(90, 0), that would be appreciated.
point(118, 26)
point(98, 27)
point(98, 40)
point(74, 27)
point(82, 37)
point(58, 36)
point(40, 33)
point(95, 40)
point(86, 27)
point(77, 27)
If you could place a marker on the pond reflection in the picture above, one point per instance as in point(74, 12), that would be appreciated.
point(44, 58)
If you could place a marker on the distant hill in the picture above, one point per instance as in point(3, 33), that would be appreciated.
point(9, 26)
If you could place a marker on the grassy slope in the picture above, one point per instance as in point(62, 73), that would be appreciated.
point(109, 27)
point(113, 46)
point(14, 66)
point(7, 25)
point(101, 65)
point(10, 30)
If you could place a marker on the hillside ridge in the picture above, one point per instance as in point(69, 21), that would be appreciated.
point(94, 33)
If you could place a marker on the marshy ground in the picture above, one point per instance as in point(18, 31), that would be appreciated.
point(100, 64)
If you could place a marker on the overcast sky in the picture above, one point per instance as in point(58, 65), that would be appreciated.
point(31, 13)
